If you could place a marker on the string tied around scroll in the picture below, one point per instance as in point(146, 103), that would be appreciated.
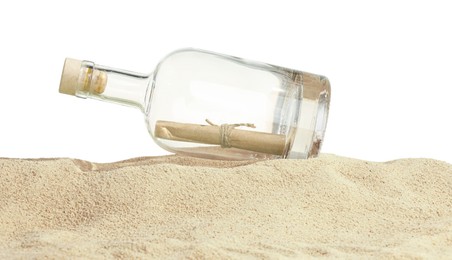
point(226, 130)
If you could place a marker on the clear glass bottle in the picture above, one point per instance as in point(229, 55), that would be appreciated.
point(209, 105)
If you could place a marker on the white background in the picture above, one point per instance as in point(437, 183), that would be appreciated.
point(389, 64)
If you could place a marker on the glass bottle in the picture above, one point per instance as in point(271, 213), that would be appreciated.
point(210, 105)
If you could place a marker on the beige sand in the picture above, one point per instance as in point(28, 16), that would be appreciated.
point(173, 207)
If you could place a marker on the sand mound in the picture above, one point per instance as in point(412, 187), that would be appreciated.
point(183, 207)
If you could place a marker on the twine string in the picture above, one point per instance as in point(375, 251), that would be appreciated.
point(226, 130)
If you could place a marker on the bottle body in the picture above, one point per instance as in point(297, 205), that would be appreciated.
point(210, 105)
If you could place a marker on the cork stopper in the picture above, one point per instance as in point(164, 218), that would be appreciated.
point(69, 77)
point(76, 77)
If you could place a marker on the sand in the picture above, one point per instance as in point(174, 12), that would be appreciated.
point(176, 207)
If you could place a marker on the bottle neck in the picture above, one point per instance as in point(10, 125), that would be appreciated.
point(113, 85)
